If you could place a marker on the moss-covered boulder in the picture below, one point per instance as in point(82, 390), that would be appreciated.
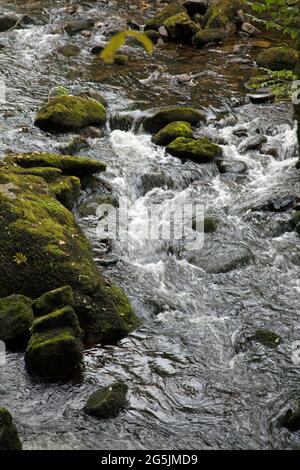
point(171, 131)
point(16, 317)
point(158, 20)
point(107, 402)
point(291, 420)
point(55, 350)
point(9, 437)
point(267, 338)
point(72, 166)
point(54, 253)
point(53, 300)
point(223, 14)
point(208, 36)
point(70, 113)
point(160, 119)
point(278, 58)
point(67, 190)
point(181, 27)
point(200, 151)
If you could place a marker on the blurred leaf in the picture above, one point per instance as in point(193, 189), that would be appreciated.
point(117, 41)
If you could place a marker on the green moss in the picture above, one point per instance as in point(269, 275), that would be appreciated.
point(9, 438)
point(166, 116)
point(170, 132)
point(52, 300)
point(71, 166)
point(181, 27)
point(48, 173)
point(278, 58)
point(107, 402)
point(158, 20)
point(200, 151)
point(62, 318)
point(206, 36)
point(267, 338)
point(67, 190)
point(54, 355)
point(34, 223)
point(16, 317)
point(222, 14)
point(67, 113)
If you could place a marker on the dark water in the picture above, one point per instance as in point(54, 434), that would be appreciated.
point(195, 381)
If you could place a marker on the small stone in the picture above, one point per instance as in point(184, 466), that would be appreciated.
point(163, 32)
point(259, 98)
point(250, 29)
point(107, 402)
point(9, 438)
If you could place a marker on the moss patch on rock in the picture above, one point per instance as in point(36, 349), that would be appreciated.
point(171, 131)
point(208, 36)
point(9, 437)
point(67, 190)
point(222, 14)
point(16, 317)
point(278, 58)
point(160, 119)
point(53, 300)
point(200, 151)
point(107, 402)
point(181, 27)
point(69, 113)
point(158, 20)
point(267, 338)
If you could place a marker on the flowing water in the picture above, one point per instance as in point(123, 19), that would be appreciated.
point(195, 380)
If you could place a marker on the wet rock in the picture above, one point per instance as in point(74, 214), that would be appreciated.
point(121, 59)
point(252, 143)
point(170, 132)
point(250, 29)
point(68, 50)
point(53, 300)
point(163, 32)
point(9, 437)
point(267, 338)
point(76, 26)
point(235, 167)
point(210, 224)
point(107, 402)
point(91, 206)
point(278, 58)
point(200, 151)
point(16, 317)
point(97, 49)
point(160, 119)
point(259, 98)
point(223, 14)
point(95, 95)
point(280, 204)
point(209, 36)
point(268, 149)
point(291, 420)
point(158, 20)
point(69, 113)
point(77, 166)
point(8, 22)
point(295, 220)
point(55, 350)
point(92, 132)
point(181, 27)
point(154, 35)
point(196, 6)
point(77, 144)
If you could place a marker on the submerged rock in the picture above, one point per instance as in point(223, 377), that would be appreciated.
point(69, 50)
point(200, 151)
point(107, 402)
point(16, 317)
point(76, 26)
point(8, 22)
point(159, 19)
point(267, 338)
point(291, 420)
point(53, 300)
point(171, 131)
point(278, 58)
point(9, 437)
point(163, 117)
point(55, 350)
point(69, 113)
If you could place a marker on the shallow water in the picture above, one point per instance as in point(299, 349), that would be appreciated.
point(195, 381)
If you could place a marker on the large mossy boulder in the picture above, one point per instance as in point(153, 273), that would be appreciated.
point(223, 14)
point(53, 300)
point(181, 27)
point(72, 166)
point(107, 402)
point(160, 119)
point(278, 58)
point(209, 36)
point(158, 20)
point(54, 253)
point(9, 437)
point(171, 131)
point(16, 317)
point(200, 151)
point(55, 350)
point(70, 113)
